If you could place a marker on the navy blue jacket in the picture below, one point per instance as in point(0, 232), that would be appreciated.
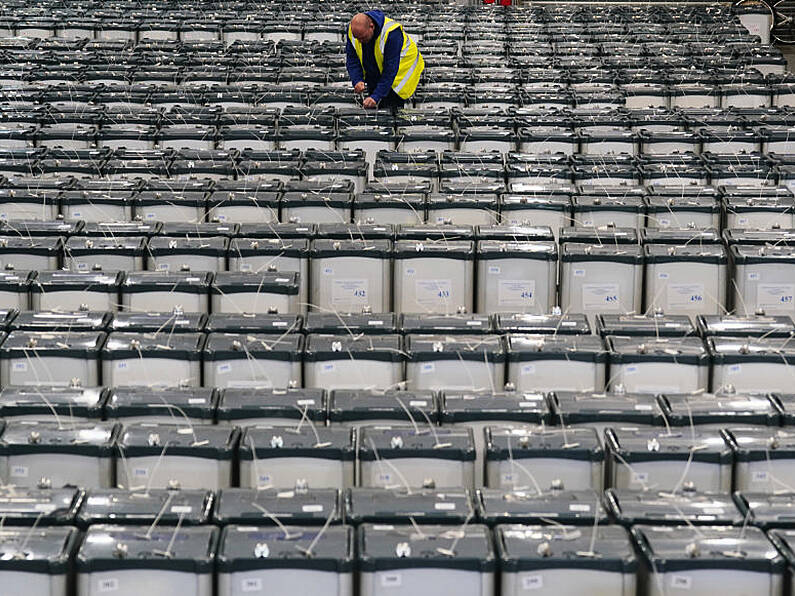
point(378, 85)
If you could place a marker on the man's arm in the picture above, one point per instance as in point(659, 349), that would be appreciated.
point(392, 49)
point(355, 71)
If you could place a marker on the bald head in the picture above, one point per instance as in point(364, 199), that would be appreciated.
point(362, 27)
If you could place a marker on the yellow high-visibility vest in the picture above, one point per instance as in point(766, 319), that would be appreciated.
point(411, 62)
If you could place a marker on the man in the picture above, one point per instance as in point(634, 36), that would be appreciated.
point(383, 59)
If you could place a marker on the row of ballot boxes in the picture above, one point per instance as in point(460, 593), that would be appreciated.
point(527, 362)
point(398, 558)
point(508, 455)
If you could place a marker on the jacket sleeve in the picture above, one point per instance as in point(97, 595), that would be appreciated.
point(355, 70)
point(392, 49)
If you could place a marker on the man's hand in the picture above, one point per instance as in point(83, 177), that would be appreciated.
point(370, 103)
point(359, 87)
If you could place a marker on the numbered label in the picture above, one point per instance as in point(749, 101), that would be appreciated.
point(532, 582)
point(18, 471)
point(681, 582)
point(602, 297)
point(251, 584)
point(391, 580)
point(433, 292)
point(516, 292)
point(109, 584)
point(760, 476)
point(350, 293)
point(685, 296)
point(775, 298)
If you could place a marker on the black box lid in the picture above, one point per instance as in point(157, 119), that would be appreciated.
point(621, 254)
point(568, 507)
point(599, 235)
point(45, 343)
point(239, 404)
point(450, 323)
point(158, 322)
point(354, 323)
point(178, 402)
point(39, 550)
point(144, 507)
point(399, 441)
point(573, 407)
point(265, 441)
point(93, 281)
point(656, 324)
point(432, 347)
point(181, 439)
point(766, 510)
point(167, 281)
point(321, 347)
point(401, 505)
point(722, 407)
point(191, 549)
point(535, 547)
point(677, 548)
point(21, 506)
point(247, 548)
point(435, 233)
point(387, 547)
point(362, 405)
point(44, 400)
point(642, 445)
point(680, 236)
point(259, 507)
point(584, 348)
point(737, 350)
point(259, 346)
point(471, 406)
point(777, 326)
point(515, 233)
point(265, 282)
point(128, 344)
point(532, 442)
point(552, 324)
point(61, 321)
point(94, 439)
point(631, 507)
point(677, 350)
point(714, 254)
point(358, 231)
